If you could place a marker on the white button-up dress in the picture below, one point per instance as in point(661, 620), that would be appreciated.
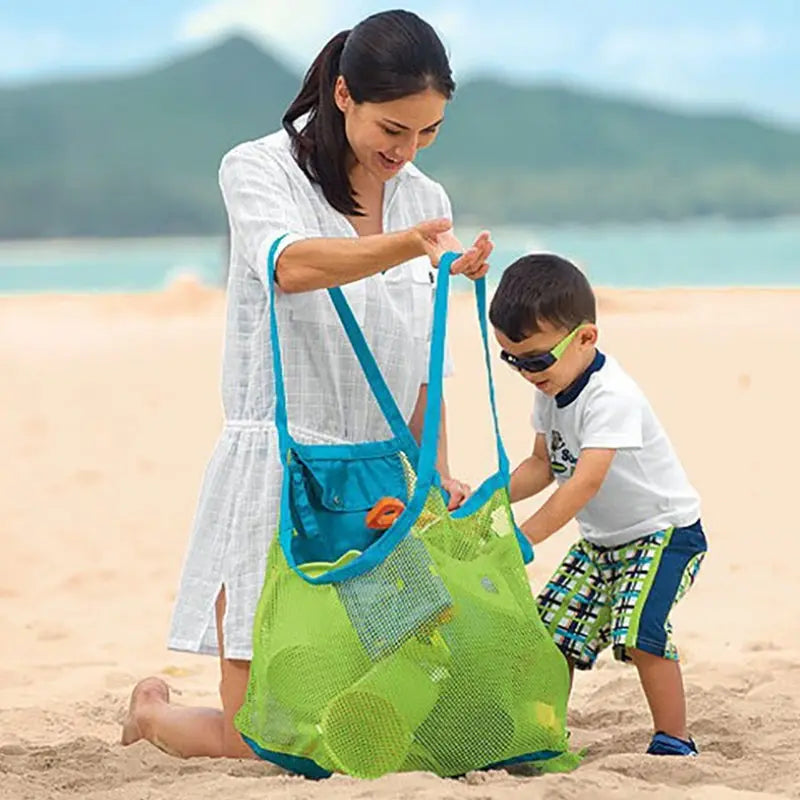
point(267, 195)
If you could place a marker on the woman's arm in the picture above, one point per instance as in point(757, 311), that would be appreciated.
point(415, 426)
point(458, 490)
point(262, 206)
point(319, 263)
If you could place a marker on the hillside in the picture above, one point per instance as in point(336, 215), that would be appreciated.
point(138, 154)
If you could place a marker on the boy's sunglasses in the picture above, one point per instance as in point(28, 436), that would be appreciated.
point(539, 363)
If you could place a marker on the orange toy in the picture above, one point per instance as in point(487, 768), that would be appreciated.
point(384, 513)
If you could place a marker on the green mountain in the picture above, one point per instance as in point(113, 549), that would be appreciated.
point(138, 154)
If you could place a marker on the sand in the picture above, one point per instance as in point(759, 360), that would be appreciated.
point(109, 408)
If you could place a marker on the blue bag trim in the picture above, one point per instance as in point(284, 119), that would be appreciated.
point(539, 755)
point(481, 495)
point(310, 769)
point(494, 482)
point(346, 452)
point(296, 764)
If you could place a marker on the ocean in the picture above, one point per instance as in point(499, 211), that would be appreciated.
point(710, 253)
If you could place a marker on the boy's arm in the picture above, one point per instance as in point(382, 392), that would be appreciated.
point(570, 497)
point(533, 474)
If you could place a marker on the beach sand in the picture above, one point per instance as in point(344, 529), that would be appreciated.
point(109, 410)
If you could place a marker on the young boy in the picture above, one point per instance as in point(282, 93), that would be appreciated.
point(641, 539)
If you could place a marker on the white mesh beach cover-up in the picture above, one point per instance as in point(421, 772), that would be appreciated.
point(267, 195)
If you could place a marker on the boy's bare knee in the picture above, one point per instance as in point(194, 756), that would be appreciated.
point(639, 657)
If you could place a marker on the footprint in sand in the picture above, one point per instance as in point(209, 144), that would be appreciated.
point(35, 426)
point(761, 647)
point(52, 633)
point(87, 477)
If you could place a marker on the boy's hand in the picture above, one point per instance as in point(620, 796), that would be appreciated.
point(457, 490)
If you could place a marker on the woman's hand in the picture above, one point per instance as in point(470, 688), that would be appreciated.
point(437, 238)
point(457, 490)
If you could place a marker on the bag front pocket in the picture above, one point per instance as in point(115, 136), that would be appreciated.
point(330, 498)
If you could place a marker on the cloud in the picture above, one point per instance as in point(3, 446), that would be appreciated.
point(624, 47)
point(676, 57)
point(295, 28)
point(686, 64)
point(23, 51)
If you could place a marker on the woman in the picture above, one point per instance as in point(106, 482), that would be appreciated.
point(339, 181)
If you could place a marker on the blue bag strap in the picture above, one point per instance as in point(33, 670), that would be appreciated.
point(480, 302)
point(433, 411)
point(375, 379)
point(281, 421)
point(502, 458)
point(430, 431)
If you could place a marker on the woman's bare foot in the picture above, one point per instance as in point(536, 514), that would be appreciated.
point(146, 694)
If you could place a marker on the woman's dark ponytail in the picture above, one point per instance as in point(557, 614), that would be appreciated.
point(387, 56)
point(320, 142)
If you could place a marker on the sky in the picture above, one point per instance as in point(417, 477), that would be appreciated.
point(739, 55)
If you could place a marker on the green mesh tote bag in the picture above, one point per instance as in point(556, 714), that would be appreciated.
point(415, 646)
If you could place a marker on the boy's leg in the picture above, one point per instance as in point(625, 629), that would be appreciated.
point(650, 576)
point(662, 683)
point(187, 732)
point(574, 607)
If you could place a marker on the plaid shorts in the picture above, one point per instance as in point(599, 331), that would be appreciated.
point(621, 595)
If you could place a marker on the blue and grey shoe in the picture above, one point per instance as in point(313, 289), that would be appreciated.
point(662, 744)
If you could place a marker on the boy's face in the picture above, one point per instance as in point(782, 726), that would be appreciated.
point(575, 358)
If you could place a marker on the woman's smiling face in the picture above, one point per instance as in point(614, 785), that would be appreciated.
point(384, 137)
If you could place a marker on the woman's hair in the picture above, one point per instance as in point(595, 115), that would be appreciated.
point(387, 56)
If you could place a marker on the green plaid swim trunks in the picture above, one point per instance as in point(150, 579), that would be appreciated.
point(621, 596)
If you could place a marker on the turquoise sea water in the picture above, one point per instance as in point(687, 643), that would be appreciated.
point(697, 253)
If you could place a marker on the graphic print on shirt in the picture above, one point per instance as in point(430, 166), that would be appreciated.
point(562, 462)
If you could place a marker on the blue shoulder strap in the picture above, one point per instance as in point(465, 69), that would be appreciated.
point(480, 301)
point(433, 411)
point(375, 379)
point(377, 384)
point(281, 423)
point(430, 432)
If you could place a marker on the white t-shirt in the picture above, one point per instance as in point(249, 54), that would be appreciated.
point(646, 489)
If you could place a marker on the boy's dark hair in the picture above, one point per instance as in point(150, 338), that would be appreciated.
point(389, 55)
point(541, 288)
